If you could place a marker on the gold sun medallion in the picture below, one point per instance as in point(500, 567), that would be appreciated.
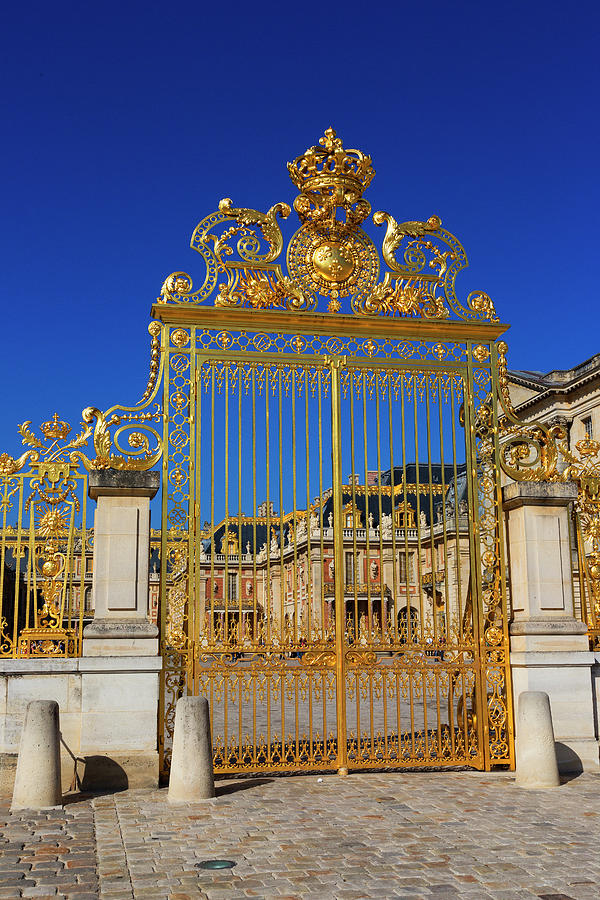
point(333, 261)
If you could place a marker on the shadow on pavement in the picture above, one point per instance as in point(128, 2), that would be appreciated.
point(232, 787)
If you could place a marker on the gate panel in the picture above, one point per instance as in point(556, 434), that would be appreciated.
point(409, 648)
point(264, 643)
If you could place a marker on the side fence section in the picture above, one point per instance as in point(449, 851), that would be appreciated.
point(45, 561)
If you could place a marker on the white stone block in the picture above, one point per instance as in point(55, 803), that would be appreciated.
point(23, 690)
point(134, 691)
point(118, 731)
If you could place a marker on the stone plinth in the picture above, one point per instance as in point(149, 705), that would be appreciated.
point(121, 554)
point(108, 714)
point(549, 647)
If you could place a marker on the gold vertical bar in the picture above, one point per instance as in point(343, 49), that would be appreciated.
point(5, 484)
point(18, 553)
point(425, 717)
point(254, 678)
point(459, 603)
point(297, 717)
point(412, 673)
point(393, 510)
point(355, 578)
point(254, 548)
point(164, 547)
point(68, 566)
point(322, 579)
point(476, 598)
point(427, 376)
point(192, 512)
point(359, 746)
point(439, 717)
point(371, 716)
point(294, 510)
point(240, 589)
point(268, 694)
point(444, 526)
point(324, 629)
point(255, 624)
point(267, 603)
point(282, 572)
point(379, 490)
point(212, 502)
point(366, 464)
point(200, 618)
point(240, 681)
point(226, 635)
point(409, 629)
point(338, 549)
point(398, 716)
point(418, 511)
point(30, 577)
point(385, 720)
point(84, 540)
point(308, 565)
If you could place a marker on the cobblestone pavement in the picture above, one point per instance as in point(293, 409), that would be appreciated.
point(412, 835)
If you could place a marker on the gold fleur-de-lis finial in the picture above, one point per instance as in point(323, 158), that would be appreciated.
point(330, 140)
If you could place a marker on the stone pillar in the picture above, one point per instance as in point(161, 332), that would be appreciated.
point(120, 668)
point(549, 647)
point(121, 555)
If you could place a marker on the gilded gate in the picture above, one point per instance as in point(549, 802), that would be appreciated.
point(332, 574)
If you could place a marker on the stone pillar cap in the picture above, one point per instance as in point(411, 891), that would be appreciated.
point(538, 493)
point(123, 483)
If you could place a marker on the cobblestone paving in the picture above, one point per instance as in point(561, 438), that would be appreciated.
point(50, 853)
point(412, 835)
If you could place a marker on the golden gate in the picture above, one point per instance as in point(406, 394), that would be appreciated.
point(332, 572)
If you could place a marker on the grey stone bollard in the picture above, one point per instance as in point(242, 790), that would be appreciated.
point(536, 753)
point(192, 775)
point(37, 780)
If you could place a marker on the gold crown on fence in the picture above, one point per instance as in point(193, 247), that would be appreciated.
point(55, 429)
point(329, 165)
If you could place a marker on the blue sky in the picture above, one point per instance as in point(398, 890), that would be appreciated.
point(126, 123)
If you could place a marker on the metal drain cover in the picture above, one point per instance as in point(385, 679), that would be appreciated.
point(215, 864)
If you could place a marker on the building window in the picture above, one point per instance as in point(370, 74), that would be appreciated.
point(587, 427)
point(232, 586)
point(349, 558)
point(87, 604)
point(406, 566)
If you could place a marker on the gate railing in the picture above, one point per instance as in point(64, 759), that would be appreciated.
point(44, 568)
point(586, 520)
point(46, 545)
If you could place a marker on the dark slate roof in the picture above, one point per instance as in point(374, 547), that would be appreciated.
point(364, 505)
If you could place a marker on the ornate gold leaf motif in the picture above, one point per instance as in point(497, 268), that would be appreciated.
point(330, 256)
point(480, 353)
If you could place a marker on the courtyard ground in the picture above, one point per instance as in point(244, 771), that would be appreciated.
point(374, 835)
